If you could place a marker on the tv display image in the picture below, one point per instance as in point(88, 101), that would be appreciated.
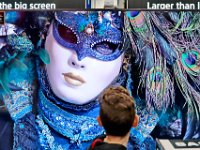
point(54, 66)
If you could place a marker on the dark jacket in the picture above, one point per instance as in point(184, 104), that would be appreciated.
point(98, 144)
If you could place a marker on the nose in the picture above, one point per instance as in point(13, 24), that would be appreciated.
point(75, 63)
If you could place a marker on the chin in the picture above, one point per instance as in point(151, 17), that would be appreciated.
point(75, 100)
point(74, 95)
point(80, 100)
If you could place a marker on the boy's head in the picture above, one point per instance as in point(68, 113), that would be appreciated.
point(117, 111)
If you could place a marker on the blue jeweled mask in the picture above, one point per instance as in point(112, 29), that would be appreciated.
point(97, 34)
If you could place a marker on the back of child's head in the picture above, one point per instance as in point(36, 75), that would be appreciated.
point(117, 111)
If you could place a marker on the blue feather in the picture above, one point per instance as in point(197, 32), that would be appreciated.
point(13, 87)
point(147, 54)
point(165, 48)
point(192, 123)
point(174, 16)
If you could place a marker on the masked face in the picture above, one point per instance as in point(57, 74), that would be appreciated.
point(79, 72)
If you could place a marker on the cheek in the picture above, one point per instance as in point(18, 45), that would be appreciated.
point(59, 55)
point(105, 72)
point(108, 72)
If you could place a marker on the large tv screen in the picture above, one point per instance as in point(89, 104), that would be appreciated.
point(55, 65)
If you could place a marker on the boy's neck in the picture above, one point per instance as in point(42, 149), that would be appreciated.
point(117, 139)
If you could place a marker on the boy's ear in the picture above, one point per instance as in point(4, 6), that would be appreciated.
point(99, 121)
point(136, 121)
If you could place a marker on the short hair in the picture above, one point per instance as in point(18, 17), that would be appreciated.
point(117, 111)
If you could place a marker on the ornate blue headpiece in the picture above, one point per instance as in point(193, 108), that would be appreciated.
point(90, 34)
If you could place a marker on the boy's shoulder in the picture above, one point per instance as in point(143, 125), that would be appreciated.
point(99, 144)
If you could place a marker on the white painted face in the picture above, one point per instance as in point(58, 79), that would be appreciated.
point(77, 81)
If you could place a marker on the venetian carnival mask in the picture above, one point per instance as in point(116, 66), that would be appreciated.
point(85, 51)
point(90, 34)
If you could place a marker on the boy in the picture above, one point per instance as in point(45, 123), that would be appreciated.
point(117, 116)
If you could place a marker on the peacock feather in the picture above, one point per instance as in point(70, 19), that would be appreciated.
point(138, 22)
point(153, 51)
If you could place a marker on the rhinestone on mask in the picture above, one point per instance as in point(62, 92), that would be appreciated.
point(89, 29)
